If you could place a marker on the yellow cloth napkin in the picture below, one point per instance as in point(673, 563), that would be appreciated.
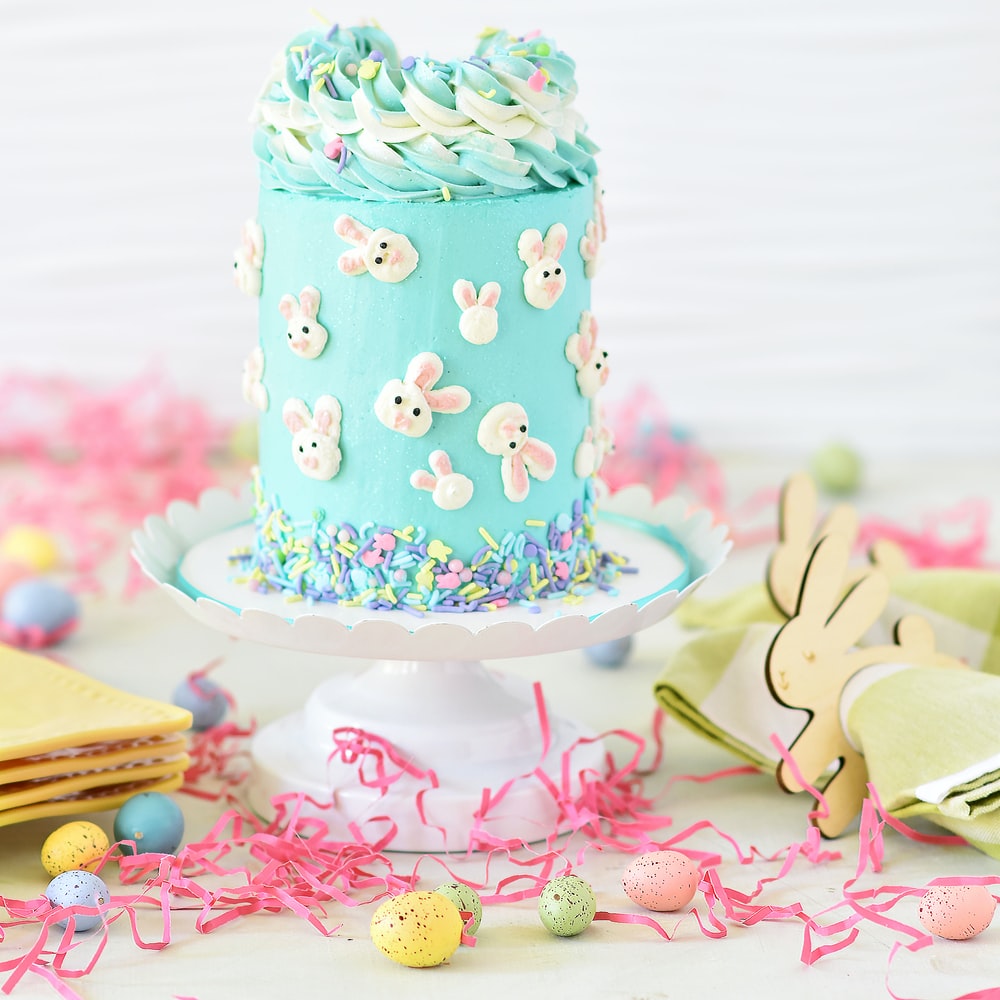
point(69, 743)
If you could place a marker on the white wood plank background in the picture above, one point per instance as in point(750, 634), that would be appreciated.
point(803, 199)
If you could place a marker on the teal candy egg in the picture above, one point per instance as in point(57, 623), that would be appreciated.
point(78, 888)
point(466, 899)
point(204, 699)
point(153, 820)
point(567, 905)
point(610, 654)
point(39, 604)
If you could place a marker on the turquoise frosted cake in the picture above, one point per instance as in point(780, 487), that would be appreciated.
point(428, 363)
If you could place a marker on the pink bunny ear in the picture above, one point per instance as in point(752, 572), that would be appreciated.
point(555, 240)
point(450, 399)
point(465, 293)
point(287, 306)
point(441, 463)
point(351, 230)
point(424, 370)
point(421, 479)
point(489, 295)
point(327, 414)
point(530, 247)
point(539, 458)
point(295, 415)
point(309, 301)
point(515, 477)
point(352, 262)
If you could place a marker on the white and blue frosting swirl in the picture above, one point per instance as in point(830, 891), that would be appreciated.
point(342, 113)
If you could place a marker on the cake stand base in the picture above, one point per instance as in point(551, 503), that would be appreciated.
point(476, 730)
point(443, 734)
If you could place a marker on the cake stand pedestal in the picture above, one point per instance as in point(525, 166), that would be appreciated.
point(444, 727)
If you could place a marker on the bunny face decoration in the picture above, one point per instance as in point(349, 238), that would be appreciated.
point(504, 432)
point(386, 255)
point(479, 321)
point(315, 436)
point(306, 335)
point(254, 390)
point(545, 277)
point(591, 364)
point(249, 259)
point(449, 490)
point(407, 405)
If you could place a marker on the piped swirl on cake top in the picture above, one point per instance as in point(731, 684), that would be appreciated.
point(342, 112)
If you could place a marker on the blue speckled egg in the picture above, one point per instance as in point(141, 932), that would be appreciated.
point(567, 905)
point(153, 820)
point(204, 699)
point(36, 603)
point(78, 888)
point(610, 654)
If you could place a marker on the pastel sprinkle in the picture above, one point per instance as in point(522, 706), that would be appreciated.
point(446, 193)
point(333, 148)
point(488, 538)
point(537, 80)
point(436, 549)
point(408, 63)
point(534, 524)
point(492, 92)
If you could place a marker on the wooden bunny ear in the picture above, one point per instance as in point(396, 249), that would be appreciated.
point(797, 537)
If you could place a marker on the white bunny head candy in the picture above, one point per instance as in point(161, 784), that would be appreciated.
point(479, 314)
point(386, 255)
point(306, 336)
point(545, 278)
point(407, 405)
point(504, 432)
point(591, 364)
point(249, 258)
point(315, 436)
point(254, 390)
point(450, 490)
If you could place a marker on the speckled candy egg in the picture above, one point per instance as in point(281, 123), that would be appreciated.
point(78, 888)
point(661, 880)
point(35, 603)
point(417, 929)
point(957, 912)
point(610, 654)
point(154, 821)
point(466, 899)
point(567, 905)
point(204, 699)
point(74, 846)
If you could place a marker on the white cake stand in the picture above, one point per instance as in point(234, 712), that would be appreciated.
point(460, 727)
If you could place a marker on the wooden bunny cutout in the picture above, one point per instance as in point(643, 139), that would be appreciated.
point(814, 654)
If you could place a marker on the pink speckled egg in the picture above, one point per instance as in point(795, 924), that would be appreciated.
point(957, 912)
point(661, 880)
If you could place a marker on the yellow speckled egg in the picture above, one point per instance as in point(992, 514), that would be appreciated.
point(417, 929)
point(30, 546)
point(661, 880)
point(73, 847)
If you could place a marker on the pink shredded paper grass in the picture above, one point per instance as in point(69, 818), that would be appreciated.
point(246, 866)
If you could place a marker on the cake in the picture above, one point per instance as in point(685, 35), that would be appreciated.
point(428, 363)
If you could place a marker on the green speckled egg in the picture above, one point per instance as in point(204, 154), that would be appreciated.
point(567, 905)
point(417, 929)
point(465, 898)
point(74, 846)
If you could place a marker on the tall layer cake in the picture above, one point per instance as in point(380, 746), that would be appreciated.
point(428, 363)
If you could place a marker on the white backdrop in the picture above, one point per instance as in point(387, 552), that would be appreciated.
point(803, 200)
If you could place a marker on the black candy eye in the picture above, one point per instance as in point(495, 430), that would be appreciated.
point(305, 329)
point(524, 428)
point(545, 274)
point(416, 411)
point(289, 334)
point(378, 260)
point(558, 270)
point(301, 448)
point(512, 445)
point(398, 400)
point(383, 246)
point(315, 445)
point(598, 366)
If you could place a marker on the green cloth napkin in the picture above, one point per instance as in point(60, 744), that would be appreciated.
point(931, 742)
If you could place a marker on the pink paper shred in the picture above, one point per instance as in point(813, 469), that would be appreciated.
point(100, 461)
point(247, 867)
